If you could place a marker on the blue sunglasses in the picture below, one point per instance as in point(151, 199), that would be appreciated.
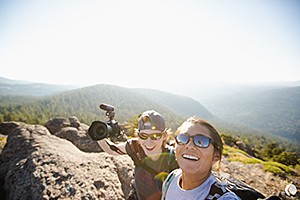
point(199, 140)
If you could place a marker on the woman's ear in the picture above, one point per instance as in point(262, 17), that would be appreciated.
point(217, 156)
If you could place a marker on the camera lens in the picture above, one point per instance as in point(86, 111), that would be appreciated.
point(99, 130)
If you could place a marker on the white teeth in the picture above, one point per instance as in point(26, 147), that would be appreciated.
point(190, 157)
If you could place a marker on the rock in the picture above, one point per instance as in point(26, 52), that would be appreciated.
point(7, 127)
point(56, 124)
point(38, 165)
point(74, 131)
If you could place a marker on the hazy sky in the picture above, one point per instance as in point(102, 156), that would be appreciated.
point(149, 43)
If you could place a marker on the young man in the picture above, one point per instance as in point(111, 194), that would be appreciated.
point(198, 146)
point(152, 158)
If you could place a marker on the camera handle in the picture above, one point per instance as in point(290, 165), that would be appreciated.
point(110, 115)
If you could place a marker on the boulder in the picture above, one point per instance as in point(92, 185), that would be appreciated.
point(38, 165)
point(74, 131)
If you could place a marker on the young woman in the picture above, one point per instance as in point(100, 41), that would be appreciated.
point(198, 146)
point(153, 160)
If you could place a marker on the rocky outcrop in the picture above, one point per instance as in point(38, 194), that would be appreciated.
point(60, 161)
point(72, 130)
point(38, 165)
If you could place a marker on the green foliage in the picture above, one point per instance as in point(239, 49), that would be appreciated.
point(240, 156)
point(265, 146)
point(274, 152)
point(287, 158)
point(278, 168)
point(269, 150)
point(252, 161)
point(273, 169)
point(246, 160)
point(233, 151)
point(131, 126)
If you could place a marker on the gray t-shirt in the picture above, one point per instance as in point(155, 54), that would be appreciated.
point(199, 193)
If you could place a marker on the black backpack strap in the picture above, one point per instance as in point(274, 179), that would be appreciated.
point(241, 189)
point(216, 190)
point(136, 152)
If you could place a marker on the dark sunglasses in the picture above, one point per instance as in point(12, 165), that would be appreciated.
point(154, 136)
point(199, 140)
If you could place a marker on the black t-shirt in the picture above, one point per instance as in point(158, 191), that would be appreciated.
point(149, 175)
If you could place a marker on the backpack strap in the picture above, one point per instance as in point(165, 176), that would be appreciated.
point(167, 183)
point(170, 155)
point(114, 148)
point(229, 184)
point(136, 152)
point(216, 190)
point(172, 164)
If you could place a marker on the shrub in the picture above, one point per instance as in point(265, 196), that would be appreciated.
point(287, 158)
point(278, 168)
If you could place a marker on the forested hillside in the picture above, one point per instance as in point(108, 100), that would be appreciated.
point(84, 103)
point(272, 110)
point(129, 103)
point(185, 106)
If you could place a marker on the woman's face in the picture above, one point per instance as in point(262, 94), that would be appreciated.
point(191, 158)
point(151, 145)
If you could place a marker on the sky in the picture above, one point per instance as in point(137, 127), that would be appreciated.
point(143, 43)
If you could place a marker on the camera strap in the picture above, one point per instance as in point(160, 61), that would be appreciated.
point(115, 148)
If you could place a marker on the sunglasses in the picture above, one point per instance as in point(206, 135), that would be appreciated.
point(199, 140)
point(154, 136)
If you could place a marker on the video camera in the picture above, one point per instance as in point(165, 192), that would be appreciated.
point(99, 129)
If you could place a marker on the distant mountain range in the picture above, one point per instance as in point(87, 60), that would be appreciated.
point(275, 110)
point(270, 108)
point(26, 88)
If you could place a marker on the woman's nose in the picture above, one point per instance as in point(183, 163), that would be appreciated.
point(190, 144)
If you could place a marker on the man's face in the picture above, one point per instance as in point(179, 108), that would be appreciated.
point(151, 141)
point(191, 158)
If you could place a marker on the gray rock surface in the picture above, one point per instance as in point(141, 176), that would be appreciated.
point(35, 164)
point(74, 131)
